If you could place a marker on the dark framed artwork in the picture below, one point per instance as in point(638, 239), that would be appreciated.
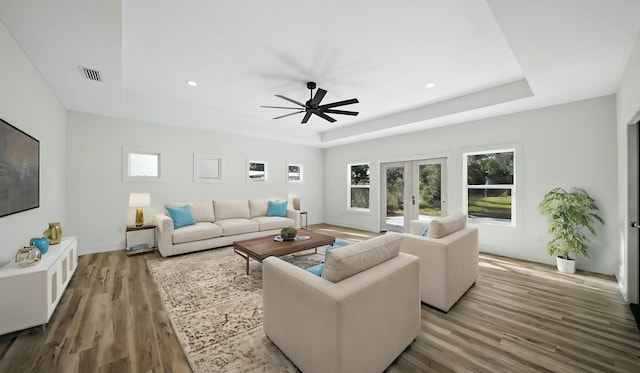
point(19, 170)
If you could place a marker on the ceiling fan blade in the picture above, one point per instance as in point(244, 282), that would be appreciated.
point(290, 100)
point(323, 115)
point(280, 107)
point(339, 103)
point(318, 97)
point(306, 117)
point(344, 112)
point(287, 115)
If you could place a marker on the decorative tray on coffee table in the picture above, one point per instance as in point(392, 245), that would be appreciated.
point(296, 238)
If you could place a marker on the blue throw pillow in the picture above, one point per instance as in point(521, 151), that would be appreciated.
point(335, 245)
point(316, 269)
point(181, 216)
point(277, 209)
point(425, 231)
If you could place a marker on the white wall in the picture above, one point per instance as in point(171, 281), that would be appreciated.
point(27, 102)
point(566, 145)
point(628, 106)
point(97, 198)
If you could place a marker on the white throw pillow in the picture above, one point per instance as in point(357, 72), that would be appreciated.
point(349, 260)
point(440, 227)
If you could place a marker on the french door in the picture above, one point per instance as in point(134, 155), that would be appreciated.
point(413, 190)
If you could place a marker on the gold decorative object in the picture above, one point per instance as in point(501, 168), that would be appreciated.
point(139, 200)
point(139, 217)
point(54, 233)
point(28, 256)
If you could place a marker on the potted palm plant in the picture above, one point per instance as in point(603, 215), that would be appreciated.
point(571, 215)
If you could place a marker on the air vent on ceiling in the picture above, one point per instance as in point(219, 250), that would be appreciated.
point(91, 74)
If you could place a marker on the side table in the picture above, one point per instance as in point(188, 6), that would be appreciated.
point(140, 249)
point(303, 213)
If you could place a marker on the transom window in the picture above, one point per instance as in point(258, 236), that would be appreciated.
point(142, 165)
point(359, 186)
point(490, 185)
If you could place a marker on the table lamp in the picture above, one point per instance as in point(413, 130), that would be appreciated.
point(139, 200)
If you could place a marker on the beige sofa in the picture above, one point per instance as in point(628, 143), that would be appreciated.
point(358, 317)
point(219, 223)
point(448, 258)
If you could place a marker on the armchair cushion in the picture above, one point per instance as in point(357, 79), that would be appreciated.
point(318, 268)
point(349, 260)
point(441, 227)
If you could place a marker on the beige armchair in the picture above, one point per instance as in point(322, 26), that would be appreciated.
point(448, 258)
point(358, 317)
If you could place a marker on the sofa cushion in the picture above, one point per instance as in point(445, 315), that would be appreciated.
point(200, 210)
point(425, 231)
point(231, 209)
point(349, 260)
point(237, 226)
point(197, 232)
point(181, 216)
point(440, 227)
point(266, 223)
point(277, 208)
point(258, 207)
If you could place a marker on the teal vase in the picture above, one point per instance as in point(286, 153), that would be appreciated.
point(41, 243)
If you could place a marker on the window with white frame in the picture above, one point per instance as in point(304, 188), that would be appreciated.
point(490, 185)
point(142, 165)
point(359, 186)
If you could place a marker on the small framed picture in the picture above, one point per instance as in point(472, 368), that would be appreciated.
point(257, 172)
point(207, 168)
point(294, 173)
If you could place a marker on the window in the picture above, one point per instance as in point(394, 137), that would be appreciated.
point(142, 165)
point(359, 186)
point(207, 168)
point(490, 185)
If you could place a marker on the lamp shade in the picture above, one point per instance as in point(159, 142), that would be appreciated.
point(295, 202)
point(139, 199)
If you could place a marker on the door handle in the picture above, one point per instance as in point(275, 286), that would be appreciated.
point(634, 224)
point(413, 200)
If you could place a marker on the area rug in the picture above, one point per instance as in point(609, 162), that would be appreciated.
point(216, 309)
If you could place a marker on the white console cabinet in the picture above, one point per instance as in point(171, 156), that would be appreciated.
point(29, 295)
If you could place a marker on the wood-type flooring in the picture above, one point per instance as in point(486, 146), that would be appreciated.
point(518, 317)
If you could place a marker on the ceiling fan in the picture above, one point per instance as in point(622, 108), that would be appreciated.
point(312, 106)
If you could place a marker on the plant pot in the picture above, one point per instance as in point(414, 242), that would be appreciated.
point(566, 266)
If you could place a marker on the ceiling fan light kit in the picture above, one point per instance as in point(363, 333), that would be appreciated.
point(312, 106)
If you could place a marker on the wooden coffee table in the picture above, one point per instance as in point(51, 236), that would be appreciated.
point(263, 247)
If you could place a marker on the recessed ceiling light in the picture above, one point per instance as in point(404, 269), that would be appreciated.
point(430, 85)
point(192, 83)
